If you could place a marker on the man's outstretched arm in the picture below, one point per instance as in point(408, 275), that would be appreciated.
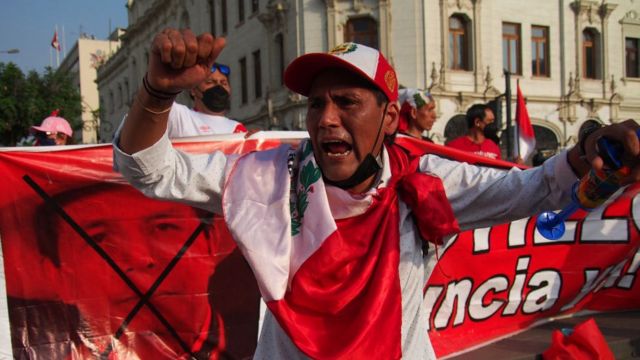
point(143, 152)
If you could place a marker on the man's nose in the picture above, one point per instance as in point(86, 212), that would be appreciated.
point(329, 116)
point(138, 254)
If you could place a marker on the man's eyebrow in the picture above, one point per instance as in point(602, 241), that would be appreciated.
point(168, 215)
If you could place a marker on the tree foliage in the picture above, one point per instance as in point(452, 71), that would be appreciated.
point(27, 100)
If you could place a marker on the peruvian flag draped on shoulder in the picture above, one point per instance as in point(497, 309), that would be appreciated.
point(526, 141)
point(54, 42)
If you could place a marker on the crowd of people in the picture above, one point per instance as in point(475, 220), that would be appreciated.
point(212, 100)
point(333, 230)
point(335, 236)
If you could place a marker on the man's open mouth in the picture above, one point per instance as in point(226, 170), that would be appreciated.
point(336, 148)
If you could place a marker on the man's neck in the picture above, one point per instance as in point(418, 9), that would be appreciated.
point(413, 131)
point(476, 136)
point(206, 111)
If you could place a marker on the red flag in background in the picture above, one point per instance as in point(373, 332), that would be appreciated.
point(54, 42)
point(526, 137)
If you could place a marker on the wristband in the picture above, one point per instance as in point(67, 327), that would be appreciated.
point(151, 111)
point(159, 94)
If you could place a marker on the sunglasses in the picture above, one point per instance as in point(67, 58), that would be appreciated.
point(224, 69)
point(43, 135)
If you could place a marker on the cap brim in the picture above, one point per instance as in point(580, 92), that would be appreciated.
point(39, 128)
point(301, 72)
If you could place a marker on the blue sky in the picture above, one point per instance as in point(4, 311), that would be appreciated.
point(28, 25)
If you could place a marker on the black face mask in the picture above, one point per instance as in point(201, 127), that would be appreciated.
point(43, 140)
point(216, 99)
point(491, 132)
point(369, 166)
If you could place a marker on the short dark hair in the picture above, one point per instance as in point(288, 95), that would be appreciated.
point(476, 111)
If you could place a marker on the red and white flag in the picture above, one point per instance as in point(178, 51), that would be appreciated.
point(325, 270)
point(54, 42)
point(526, 138)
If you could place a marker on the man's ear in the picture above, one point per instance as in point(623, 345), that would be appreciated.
point(391, 118)
point(414, 113)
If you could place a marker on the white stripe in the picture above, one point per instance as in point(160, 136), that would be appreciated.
point(257, 211)
point(6, 351)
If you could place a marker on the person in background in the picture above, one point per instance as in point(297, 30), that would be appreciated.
point(54, 130)
point(212, 100)
point(417, 113)
point(479, 116)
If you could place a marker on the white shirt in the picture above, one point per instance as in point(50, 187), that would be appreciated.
point(184, 122)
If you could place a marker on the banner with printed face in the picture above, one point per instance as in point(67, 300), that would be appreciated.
point(94, 268)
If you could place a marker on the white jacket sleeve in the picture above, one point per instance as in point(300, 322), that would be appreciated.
point(482, 196)
point(163, 172)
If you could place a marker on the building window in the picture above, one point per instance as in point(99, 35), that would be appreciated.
point(590, 51)
point(511, 48)
point(456, 126)
point(101, 109)
point(459, 44)
point(539, 51)
point(184, 20)
point(243, 80)
point(127, 94)
point(120, 96)
point(240, 11)
point(631, 57)
point(280, 53)
point(134, 71)
point(257, 74)
point(212, 16)
point(255, 6)
point(363, 30)
point(223, 13)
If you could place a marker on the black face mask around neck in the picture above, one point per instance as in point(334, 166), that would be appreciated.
point(491, 132)
point(368, 167)
point(216, 99)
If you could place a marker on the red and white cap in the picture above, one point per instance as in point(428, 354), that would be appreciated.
point(362, 60)
point(54, 124)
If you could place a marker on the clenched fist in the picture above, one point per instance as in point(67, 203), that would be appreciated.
point(180, 61)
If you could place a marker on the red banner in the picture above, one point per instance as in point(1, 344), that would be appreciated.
point(94, 268)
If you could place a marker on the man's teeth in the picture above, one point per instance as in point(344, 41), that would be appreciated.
point(336, 148)
point(330, 154)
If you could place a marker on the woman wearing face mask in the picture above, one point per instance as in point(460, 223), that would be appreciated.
point(212, 99)
point(54, 130)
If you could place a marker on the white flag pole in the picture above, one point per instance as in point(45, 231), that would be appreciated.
point(64, 44)
point(57, 51)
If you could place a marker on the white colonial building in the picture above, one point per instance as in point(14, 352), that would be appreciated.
point(81, 63)
point(575, 60)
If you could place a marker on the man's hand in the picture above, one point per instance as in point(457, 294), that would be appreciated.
point(623, 133)
point(180, 61)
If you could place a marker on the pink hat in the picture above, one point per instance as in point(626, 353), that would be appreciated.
point(54, 124)
point(362, 60)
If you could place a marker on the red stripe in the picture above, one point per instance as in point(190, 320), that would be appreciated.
point(345, 300)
